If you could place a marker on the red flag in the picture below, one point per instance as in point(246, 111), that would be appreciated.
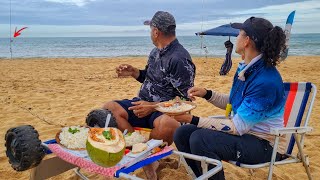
point(17, 33)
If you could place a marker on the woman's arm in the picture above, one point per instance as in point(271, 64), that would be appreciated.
point(219, 100)
point(217, 124)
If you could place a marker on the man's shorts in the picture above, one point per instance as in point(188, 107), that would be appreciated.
point(145, 122)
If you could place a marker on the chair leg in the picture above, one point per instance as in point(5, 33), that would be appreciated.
point(273, 157)
point(183, 161)
point(77, 171)
point(49, 168)
point(303, 157)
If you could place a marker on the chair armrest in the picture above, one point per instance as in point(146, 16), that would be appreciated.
point(218, 117)
point(290, 130)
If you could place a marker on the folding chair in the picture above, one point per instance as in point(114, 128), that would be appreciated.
point(297, 100)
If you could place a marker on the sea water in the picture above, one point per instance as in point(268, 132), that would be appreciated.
point(77, 47)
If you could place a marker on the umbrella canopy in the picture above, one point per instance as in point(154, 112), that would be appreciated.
point(224, 30)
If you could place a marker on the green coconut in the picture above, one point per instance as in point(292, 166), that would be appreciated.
point(105, 146)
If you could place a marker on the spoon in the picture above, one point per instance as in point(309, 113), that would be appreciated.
point(107, 120)
point(125, 132)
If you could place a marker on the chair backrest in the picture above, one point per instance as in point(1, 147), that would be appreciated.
point(297, 98)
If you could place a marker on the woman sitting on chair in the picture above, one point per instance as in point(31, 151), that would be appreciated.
point(256, 99)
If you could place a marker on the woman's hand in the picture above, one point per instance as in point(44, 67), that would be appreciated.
point(184, 118)
point(196, 92)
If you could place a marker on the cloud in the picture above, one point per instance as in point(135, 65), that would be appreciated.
point(306, 18)
point(125, 17)
point(72, 2)
point(119, 12)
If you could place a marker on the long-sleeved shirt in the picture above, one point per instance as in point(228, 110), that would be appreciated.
point(258, 102)
point(169, 72)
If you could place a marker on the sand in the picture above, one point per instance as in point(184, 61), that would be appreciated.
point(50, 93)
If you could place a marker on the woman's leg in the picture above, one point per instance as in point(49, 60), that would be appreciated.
point(212, 144)
point(181, 139)
point(222, 146)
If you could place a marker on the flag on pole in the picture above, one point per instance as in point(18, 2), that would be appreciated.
point(287, 31)
point(18, 33)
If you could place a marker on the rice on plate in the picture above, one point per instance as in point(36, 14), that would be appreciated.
point(181, 107)
point(134, 138)
point(174, 107)
point(74, 137)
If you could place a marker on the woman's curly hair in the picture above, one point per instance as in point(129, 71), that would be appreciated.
point(273, 45)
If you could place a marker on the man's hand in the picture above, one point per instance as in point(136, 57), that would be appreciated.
point(125, 70)
point(196, 92)
point(142, 108)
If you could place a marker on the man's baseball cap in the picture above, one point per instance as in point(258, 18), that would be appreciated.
point(256, 28)
point(162, 20)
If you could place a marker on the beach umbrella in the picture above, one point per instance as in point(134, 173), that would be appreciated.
point(223, 30)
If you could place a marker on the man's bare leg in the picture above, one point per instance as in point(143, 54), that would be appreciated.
point(164, 128)
point(120, 114)
point(150, 170)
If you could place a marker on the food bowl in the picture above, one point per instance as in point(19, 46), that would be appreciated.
point(72, 133)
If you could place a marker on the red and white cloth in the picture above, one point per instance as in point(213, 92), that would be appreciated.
point(87, 164)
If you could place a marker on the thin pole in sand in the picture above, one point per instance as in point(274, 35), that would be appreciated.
point(203, 46)
point(10, 33)
point(201, 43)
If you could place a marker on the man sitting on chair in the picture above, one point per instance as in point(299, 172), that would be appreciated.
point(169, 73)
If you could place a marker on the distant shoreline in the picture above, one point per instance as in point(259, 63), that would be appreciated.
point(123, 57)
point(147, 35)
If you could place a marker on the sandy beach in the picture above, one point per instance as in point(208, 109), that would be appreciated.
point(51, 93)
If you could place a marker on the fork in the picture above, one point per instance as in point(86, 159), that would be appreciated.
point(185, 97)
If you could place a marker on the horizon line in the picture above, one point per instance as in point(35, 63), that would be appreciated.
point(121, 36)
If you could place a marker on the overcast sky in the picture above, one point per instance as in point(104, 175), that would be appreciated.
point(87, 18)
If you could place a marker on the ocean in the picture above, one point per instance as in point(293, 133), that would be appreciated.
point(78, 47)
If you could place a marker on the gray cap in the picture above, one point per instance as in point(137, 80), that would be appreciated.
point(164, 21)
